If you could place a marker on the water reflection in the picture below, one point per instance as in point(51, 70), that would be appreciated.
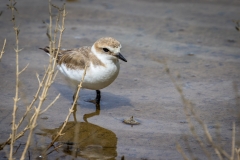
point(89, 115)
point(86, 140)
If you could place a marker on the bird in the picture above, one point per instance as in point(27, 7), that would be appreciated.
point(101, 61)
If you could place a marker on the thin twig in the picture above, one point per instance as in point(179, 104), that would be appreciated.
point(71, 110)
point(17, 148)
point(29, 107)
point(187, 105)
point(233, 141)
point(61, 32)
point(19, 135)
point(23, 69)
point(180, 150)
point(189, 109)
point(16, 99)
point(237, 150)
point(189, 148)
point(55, 149)
point(3, 49)
point(50, 104)
point(47, 83)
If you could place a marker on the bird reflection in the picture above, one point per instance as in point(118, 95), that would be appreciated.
point(89, 115)
point(86, 116)
point(84, 139)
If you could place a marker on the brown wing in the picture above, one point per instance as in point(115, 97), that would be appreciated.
point(75, 58)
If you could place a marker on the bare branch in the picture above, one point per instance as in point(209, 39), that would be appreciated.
point(180, 150)
point(71, 110)
point(50, 104)
point(23, 69)
point(45, 84)
point(233, 141)
point(3, 48)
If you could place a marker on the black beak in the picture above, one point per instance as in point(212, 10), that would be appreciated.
point(120, 56)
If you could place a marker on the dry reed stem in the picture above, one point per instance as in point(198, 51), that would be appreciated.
point(3, 49)
point(180, 150)
point(28, 109)
point(189, 147)
point(61, 29)
point(16, 98)
point(17, 148)
point(55, 149)
point(233, 142)
point(187, 105)
point(49, 80)
point(237, 150)
point(189, 109)
point(71, 110)
point(217, 149)
point(19, 135)
point(23, 69)
point(44, 85)
point(50, 105)
point(32, 123)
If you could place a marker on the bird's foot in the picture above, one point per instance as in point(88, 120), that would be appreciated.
point(94, 101)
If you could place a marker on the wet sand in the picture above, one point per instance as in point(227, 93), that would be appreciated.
point(197, 40)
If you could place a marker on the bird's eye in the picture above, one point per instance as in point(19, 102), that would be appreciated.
point(105, 50)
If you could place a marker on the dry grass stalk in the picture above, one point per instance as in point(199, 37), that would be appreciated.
point(16, 98)
point(233, 142)
point(71, 110)
point(180, 150)
point(3, 48)
point(237, 150)
point(49, 78)
point(55, 149)
point(189, 110)
point(28, 109)
point(42, 90)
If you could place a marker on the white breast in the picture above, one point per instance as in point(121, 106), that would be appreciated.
point(97, 77)
point(100, 77)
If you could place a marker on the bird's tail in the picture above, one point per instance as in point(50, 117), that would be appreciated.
point(54, 51)
point(47, 50)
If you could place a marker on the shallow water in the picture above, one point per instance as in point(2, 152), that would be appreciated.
point(199, 43)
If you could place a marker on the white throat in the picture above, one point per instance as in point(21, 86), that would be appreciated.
point(105, 58)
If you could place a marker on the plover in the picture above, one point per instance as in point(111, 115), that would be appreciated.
point(101, 59)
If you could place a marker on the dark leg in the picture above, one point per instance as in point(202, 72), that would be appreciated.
point(98, 97)
point(75, 106)
point(74, 112)
point(74, 96)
